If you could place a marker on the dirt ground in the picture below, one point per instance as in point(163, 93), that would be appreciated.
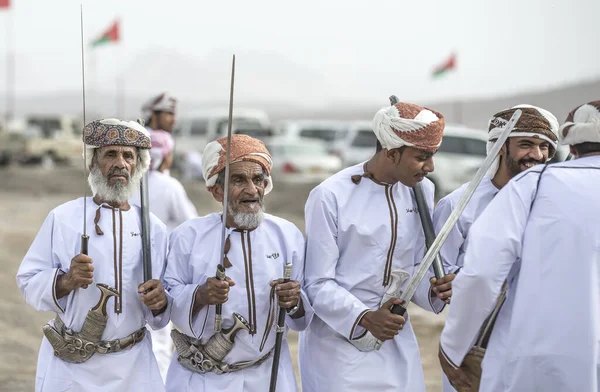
point(27, 194)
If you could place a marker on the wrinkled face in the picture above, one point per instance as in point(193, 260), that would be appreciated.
point(524, 152)
point(164, 121)
point(117, 163)
point(246, 190)
point(115, 173)
point(411, 165)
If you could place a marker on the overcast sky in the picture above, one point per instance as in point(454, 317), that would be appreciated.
point(319, 48)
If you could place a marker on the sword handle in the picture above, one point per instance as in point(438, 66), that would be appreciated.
point(84, 244)
point(398, 309)
point(219, 307)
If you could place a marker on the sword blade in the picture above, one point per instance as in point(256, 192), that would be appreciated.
point(221, 268)
point(84, 236)
point(435, 247)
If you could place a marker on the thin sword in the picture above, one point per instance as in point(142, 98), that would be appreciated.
point(221, 268)
point(84, 236)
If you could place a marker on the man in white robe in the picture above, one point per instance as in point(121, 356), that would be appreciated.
point(257, 247)
point(169, 201)
point(541, 233)
point(55, 276)
point(363, 232)
point(532, 141)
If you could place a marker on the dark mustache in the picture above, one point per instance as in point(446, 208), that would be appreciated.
point(120, 172)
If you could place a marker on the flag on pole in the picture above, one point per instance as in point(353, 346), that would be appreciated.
point(445, 67)
point(109, 35)
point(4, 4)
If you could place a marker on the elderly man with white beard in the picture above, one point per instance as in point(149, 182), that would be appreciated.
point(257, 248)
point(98, 339)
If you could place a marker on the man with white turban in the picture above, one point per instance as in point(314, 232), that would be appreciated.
point(540, 234)
point(257, 248)
point(87, 351)
point(364, 237)
point(531, 142)
point(169, 201)
point(159, 112)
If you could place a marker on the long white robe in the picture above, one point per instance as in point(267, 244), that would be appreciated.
point(551, 256)
point(351, 231)
point(453, 250)
point(117, 261)
point(169, 201)
point(257, 258)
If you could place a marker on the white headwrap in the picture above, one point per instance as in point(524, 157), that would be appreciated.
point(582, 125)
point(406, 124)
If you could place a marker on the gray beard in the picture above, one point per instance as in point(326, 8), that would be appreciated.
point(247, 220)
point(119, 192)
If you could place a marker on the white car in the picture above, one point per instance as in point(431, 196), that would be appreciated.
point(357, 145)
point(326, 131)
point(460, 155)
point(301, 160)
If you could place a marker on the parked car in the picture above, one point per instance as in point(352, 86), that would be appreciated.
point(357, 145)
point(301, 160)
point(326, 131)
point(193, 131)
point(460, 155)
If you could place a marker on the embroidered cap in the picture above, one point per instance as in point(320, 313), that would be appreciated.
point(113, 132)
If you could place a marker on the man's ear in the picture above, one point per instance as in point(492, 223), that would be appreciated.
point(217, 192)
point(394, 155)
point(572, 151)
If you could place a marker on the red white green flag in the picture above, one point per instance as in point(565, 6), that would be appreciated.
point(4, 4)
point(445, 67)
point(110, 35)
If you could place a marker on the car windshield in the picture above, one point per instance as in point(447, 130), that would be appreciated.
point(327, 135)
point(364, 138)
point(463, 145)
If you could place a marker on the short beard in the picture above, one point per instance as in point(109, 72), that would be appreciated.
point(118, 192)
point(247, 220)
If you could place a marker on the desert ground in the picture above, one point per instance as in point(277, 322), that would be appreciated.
point(27, 194)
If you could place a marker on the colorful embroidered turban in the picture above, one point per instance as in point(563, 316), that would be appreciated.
point(534, 122)
point(162, 146)
point(243, 148)
point(406, 124)
point(582, 125)
point(114, 132)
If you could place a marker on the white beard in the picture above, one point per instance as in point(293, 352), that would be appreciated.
point(247, 220)
point(118, 192)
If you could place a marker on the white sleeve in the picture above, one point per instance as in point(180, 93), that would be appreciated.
point(451, 248)
point(297, 257)
point(494, 246)
point(159, 255)
point(423, 295)
point(180, 286)
point(42, 264)
point(333, 304)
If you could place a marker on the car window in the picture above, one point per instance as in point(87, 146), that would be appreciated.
point(364, 138)
point(475, 147)
point(199, 127)
point(303, 149)
point(463, 145)
point(327, 135)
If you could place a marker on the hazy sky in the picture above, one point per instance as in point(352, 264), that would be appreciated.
point(321, 49)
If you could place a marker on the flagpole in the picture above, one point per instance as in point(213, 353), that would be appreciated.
point(10, 69)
